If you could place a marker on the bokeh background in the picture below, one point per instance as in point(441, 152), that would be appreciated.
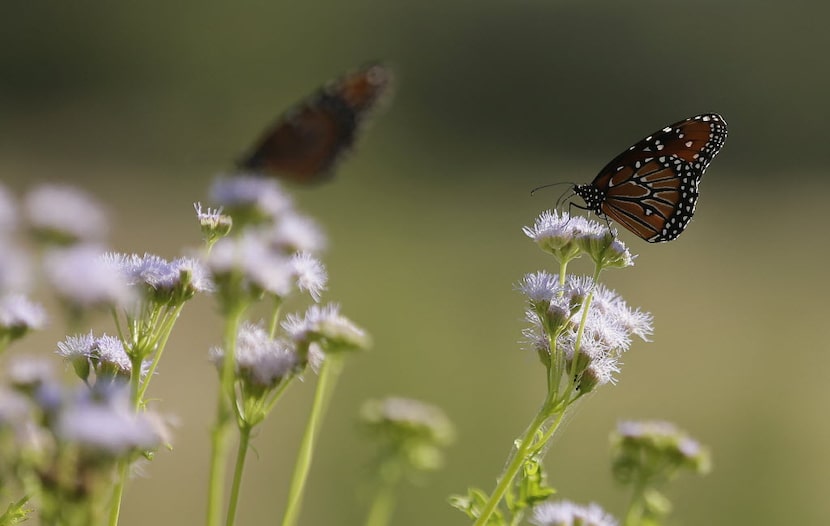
point(143, 103)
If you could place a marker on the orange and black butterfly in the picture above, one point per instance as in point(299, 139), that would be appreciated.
point(652, 188)
point(306, 142)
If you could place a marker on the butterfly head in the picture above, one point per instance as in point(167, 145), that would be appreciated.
point(592, 196)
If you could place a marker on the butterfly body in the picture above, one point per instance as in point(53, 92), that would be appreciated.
point(652, 188)
point(306, 142)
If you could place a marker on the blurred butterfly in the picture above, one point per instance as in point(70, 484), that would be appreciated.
point(652, 188)
point(305, 144)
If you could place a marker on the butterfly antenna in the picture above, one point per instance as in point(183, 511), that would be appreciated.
point(548, 186)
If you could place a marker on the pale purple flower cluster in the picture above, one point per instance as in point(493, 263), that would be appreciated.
point(154, 278)
point(260, 360)
point(65, 215)
point(104, 355)
point(567, 237)
point(556, 311)
point(566, 513)
point(272, 251)
point(101, 422)
point(408, 419)
point(18, 313)
point(83, 279)
point(326, 326)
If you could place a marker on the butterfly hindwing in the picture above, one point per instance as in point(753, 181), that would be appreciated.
point(305, 144)
point(652, 187)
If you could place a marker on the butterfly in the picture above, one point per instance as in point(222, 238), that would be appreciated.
point(652, 188)
point(306, 142)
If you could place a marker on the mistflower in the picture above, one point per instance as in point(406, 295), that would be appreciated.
point(27, 373)
point(603, 246)
point(294, 232)
point(162, 281)
point(556, 312)
point(540, 288)
point(249, 199)
point(83, 279)
point(310, 274)
point(566, 513)
point(410, 432)
point(247, 262)
point(556, 233)
point(65, 215)
point(19, 315)
point(654, 451)
point(213, 222)
point(261, 362)
point(109, 427)
point(104, 355)
point(326, 326)
point(412, 419)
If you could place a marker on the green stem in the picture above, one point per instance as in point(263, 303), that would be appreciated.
point(216, 480)
point(275, 318)
point(118, 492)
point(384, 503)
point(241, 453)
point(329, 372)
point(634, 515)
point(516, 463)
point(166, 331)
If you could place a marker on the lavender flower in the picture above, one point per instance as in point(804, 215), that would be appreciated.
point(261, 362)
point(65, 215)
point(557, 232)
point(556, 311)
point(214, 223)
point(656, 450)
point(326, 326)
point(19, 315)
point(566, 513)
point(310, 274)
point(161, 281)
point(109, 426)
point(258, 268)
point(294, 232)
point(83, 279)
point(408, 417)
point(250, 199)
point(104, 355)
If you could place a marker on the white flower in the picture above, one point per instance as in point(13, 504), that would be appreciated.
point(328, 327)
point(262, 196)
point(109, 426)
point(20, 313)
point(84, 279)
point(297, 233)
point(310, 274)
point(566, 513)
point(260, 360)
point(249, 256)
point(65, 213)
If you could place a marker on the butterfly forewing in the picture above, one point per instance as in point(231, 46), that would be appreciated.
point(652, 188)
point(305, 144)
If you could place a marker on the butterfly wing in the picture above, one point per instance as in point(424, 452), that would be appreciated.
point(652, 188)
point(305, 144)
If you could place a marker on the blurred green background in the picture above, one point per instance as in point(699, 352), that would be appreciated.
point(142, 103)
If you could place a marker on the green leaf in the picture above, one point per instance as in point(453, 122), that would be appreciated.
point(16, 512)
point(472, 504)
